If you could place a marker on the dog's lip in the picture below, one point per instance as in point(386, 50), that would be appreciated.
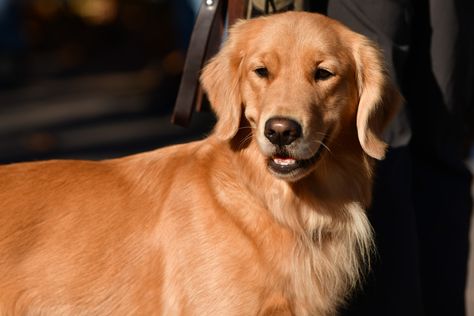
point(282, 163)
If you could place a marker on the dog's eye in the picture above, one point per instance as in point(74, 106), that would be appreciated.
point(262, 72)
point(322, 74)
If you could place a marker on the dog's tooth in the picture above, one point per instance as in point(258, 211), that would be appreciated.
point(284, 161)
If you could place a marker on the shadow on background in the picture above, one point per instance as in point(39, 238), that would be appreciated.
point(91, 79)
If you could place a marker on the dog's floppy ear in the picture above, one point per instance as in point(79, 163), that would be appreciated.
point(221, 80)
point(379, 99)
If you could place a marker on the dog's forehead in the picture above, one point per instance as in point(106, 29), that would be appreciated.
point(302, 32)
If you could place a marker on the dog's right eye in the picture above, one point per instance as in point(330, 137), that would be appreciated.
point(322, 74)
point(262, 72)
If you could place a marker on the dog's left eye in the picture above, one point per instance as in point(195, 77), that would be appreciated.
point(262, 72)
point(322, 74)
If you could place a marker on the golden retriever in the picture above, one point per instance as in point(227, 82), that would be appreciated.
point(264, 217)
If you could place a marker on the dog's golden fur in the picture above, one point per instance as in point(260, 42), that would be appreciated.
point(209, 228)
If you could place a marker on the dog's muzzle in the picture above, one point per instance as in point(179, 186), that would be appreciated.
point(283, 133)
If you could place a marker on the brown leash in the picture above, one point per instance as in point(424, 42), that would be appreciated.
point(205, 41)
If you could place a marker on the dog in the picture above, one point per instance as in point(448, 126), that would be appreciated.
point(266, 216)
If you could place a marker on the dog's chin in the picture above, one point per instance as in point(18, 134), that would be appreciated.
point(285, 167)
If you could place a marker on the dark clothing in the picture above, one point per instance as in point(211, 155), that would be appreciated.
point(422, 202)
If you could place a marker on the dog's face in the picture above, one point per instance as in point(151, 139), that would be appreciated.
point(299, 79)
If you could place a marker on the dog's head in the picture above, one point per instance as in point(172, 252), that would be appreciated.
point(299, 79)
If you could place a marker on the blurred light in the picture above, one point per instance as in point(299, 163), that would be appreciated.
point(46, 9)
point(95, 11)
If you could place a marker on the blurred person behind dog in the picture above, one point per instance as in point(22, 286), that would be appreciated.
point(422, 196)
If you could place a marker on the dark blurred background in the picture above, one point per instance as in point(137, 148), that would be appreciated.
point(92, 79)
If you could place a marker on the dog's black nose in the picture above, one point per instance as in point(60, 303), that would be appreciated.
point(282, 131)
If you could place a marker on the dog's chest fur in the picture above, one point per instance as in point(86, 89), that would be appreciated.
point(326, 255)
point(317, 256)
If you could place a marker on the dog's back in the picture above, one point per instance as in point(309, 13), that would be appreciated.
point(136, 236)
point(77, 237)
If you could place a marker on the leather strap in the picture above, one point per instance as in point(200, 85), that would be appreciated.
point(209, 26)
point(205, 42)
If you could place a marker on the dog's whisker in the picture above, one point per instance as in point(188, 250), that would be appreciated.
point(321, 143)
point(324, 145)
point(246, 127)
point(321, 133)
point(245, 140)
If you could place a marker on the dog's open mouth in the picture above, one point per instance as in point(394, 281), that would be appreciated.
point(282, 163)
